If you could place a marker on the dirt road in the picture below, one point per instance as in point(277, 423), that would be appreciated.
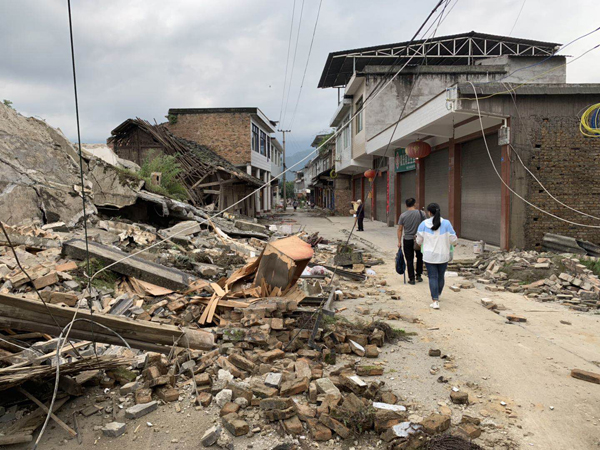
point(526, 366)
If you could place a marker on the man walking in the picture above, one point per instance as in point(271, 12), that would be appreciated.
point(408, 224)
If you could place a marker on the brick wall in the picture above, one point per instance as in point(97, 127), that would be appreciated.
point(568, 165)
point(227, 134)
point(343, 196)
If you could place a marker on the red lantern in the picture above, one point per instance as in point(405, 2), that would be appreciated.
point(418, 149)
point(370, 174)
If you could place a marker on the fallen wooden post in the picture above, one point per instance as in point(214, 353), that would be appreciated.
point(584, 375)
point(31, 315)
point(63, 425)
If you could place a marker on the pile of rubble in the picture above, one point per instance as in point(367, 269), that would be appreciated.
point(545, 277)
point(250, 345)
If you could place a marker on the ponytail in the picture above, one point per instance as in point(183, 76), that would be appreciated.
point(434, 210)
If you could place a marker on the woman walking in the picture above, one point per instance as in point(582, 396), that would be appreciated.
point(436, 237)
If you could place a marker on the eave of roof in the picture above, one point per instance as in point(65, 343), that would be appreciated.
point(530, 89)
point(323, 82)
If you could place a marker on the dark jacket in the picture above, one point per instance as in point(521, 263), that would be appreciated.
point(360, 212)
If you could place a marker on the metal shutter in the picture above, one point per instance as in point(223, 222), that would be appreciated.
point(408, 187)
point(480, 196)
point(436, 180)
point(381, 197)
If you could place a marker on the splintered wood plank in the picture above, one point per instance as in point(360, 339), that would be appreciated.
point(212, 309)
point(217, 289)
point(204, 316)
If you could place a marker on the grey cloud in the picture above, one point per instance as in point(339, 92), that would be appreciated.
point(139, 58)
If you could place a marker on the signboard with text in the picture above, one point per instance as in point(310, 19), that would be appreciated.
point(402, 162)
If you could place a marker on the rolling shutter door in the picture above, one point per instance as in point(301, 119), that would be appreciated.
point(436, 180)
point(381, 197)
point(480, 193)
point(408, 187)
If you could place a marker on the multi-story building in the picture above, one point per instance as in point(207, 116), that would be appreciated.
point(276, 170)
point(328, 189)
point(474, 171)
point(243, 136)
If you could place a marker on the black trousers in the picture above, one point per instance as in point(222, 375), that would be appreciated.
point(409, 254)
point(360, 223)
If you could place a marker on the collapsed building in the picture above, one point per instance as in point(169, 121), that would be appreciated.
point(209, 178)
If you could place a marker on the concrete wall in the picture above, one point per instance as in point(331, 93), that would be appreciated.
point(227, 134)
point(552, 70)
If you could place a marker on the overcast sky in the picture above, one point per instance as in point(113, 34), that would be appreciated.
point(142, 57)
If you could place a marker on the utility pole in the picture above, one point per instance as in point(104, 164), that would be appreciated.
point(284, 168)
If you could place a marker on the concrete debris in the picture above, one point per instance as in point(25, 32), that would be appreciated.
point(542, 277)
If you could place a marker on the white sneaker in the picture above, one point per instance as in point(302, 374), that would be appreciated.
point(435, 305)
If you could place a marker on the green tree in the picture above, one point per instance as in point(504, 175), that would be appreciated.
point(8, 103)
point(289, 189)
point(170, 169)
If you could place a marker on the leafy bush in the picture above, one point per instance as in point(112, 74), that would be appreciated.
point(170, 185)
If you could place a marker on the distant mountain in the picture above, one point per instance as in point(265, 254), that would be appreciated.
point(290, 160)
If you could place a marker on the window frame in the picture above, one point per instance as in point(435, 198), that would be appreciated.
point(358, 110)
point(255, 138)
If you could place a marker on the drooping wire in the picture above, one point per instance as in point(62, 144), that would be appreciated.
point(83, 196)
point(319, 309)
point(506, 184)
point(528, 81)
point(553, 55)
point(312, 40)
point(287, 61)
point(309, 155)
point(287, 101)
point(61, 342)
point(513, 96)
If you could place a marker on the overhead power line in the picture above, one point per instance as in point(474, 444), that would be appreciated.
point(517, 19)
point(287, 60)
point(287, 101)
point(312, 40)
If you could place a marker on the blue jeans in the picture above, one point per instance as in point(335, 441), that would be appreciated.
point(435, 273)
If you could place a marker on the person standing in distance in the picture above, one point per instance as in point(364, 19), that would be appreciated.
point(360, 215)
point(436, 236)
point(409, 224)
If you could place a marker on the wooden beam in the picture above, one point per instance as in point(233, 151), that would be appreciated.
point(13, 307)
point(63, 425)
point(215, 183)
point(211, 191)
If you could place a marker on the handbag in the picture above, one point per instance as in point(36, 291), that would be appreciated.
point(400, 264)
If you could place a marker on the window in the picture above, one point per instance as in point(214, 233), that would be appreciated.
point(268, 147)
point(263, 143)
point(254, 138)
point(358, 109)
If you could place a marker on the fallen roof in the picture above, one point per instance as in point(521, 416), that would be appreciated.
point(458, 49)
point(203, 158)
